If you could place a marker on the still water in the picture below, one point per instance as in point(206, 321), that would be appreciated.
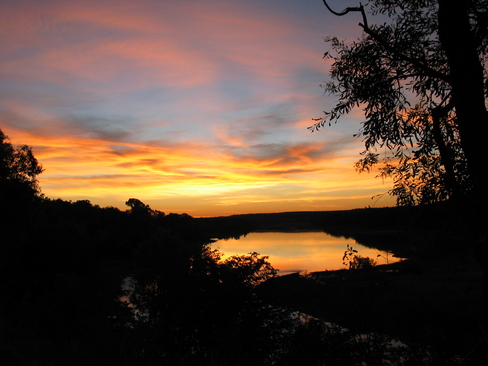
point(299, 251)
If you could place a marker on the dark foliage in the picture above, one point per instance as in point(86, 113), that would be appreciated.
point(85, 285)
point(409, 75)
point(18, 176)
point(421, 80)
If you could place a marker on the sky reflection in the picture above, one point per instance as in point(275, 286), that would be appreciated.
point(299, 251)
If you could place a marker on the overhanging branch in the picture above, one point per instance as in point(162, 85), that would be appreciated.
point(425, 69)
point(347, 10)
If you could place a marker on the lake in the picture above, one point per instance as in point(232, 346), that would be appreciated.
point(299, 251)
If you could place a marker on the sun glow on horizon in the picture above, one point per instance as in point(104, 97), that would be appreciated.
point(190, 108)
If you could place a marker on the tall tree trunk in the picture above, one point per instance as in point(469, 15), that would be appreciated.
point(466, 78)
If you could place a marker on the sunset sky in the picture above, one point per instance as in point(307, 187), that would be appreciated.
point(191, 106)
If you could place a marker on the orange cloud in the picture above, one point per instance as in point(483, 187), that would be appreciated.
point(189, 106)
point(94, 168)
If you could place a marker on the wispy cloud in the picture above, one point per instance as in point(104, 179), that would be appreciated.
point(190, 106)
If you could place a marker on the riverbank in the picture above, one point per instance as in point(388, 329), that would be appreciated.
point(432, 302)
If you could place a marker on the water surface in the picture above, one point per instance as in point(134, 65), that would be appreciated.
point(299, 251)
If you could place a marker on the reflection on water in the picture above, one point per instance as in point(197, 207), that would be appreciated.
point(299, 251)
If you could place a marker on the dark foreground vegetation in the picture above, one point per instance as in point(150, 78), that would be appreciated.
point(86, 285)
point(64, 263)
point(432, 299)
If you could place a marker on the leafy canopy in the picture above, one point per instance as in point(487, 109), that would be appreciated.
point(18, 172)
point(398, 73)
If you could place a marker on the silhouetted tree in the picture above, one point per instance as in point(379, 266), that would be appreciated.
point(188, 306)
point(137, 206)
point(18, 173)
point(421, 81)
point(412, 78)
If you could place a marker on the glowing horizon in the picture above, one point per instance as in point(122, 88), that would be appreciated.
point(189, 107)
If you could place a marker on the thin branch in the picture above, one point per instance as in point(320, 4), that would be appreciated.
point(347, 10)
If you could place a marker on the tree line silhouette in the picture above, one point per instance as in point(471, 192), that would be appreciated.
point(83, 284)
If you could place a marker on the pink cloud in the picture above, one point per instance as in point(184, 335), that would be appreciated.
point(198, 101)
